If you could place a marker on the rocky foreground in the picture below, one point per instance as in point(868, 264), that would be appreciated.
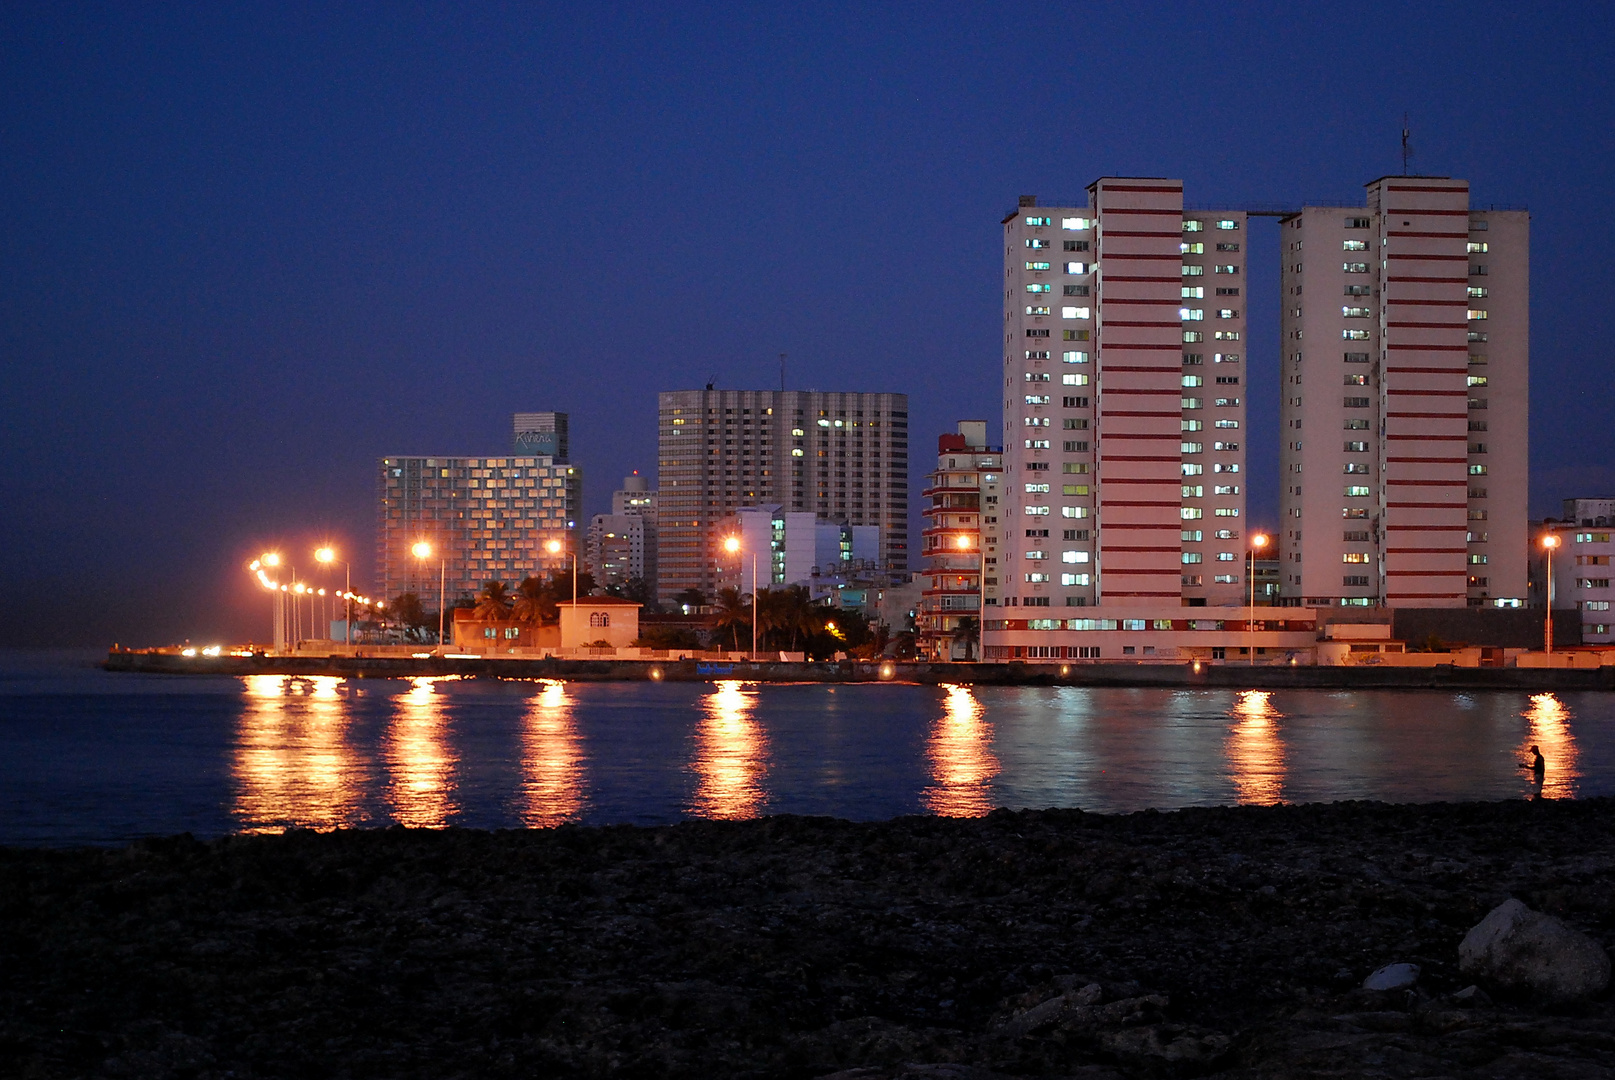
point(1232, 942)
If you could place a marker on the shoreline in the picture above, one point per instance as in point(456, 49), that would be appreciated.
point(1227, 941)
point(1079, 673)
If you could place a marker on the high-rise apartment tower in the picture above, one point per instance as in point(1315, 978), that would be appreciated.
point(840, 456)
point(1124, 402)
point(1405, 373)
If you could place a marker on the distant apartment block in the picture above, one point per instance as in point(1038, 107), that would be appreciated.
point(489, 518)
point(541, 434)
point(960, 541)
point(796, 547)
point(1581, 566)
point(622, 544)
point(1405, 371)
point(836, 456)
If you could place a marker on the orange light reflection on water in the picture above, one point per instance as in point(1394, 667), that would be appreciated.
point(420, 765)
point(293, 764)
point(1255, 749)
point(731, 756)
point(552, 761)
point(961, 757)
point(1549, 729)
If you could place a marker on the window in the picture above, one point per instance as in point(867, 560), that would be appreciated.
point(1225, 446)
point(1037, 444)
point(1226, 268)
point(1193, 336)
point(1354, 557)
point(1354, 245)
point(1227, 313)
point(1037, 243)
point(1075, 224)
point(1475, 249)
point(1357, 290)
point(1194, 271)
point(1354, 579)
point(1037, 376)
point(1074, 556)
point(1037, 266)
point(1356, 380)
point(1356, 358)
point(1076, 313)
point(1356, 448)
point(1074, 511)
point(1592, 583)
point(1075, 447)
point(1226, 224)
point(1074, 378)
point(1229, 467)
point(1036, 511)
point(1191, 513)
point(1356, 425)
point(1191, 249)
point(1038, 222)
point(1192, 402)
point(1225, 489)
point(1031, 354)
point(1227, 335)
point(1037, 310)
point(1226, 511)
point(1037, 399)
point(1195, 292)
point(1226, 556)
point(1357, 312)
point(1191, 447)
point(1191, 491)
point(1477, 292)
point(1227, 402)
point(1355, 402)
point(1191, 469)
point(1076, 268)
point(1595, 605)
point(1193, 380)
point(1355, 268)
point(1076, 579)
point(1191, 425)
point(1228, 424)
point(1356, 492)
point(1359, 223)
point(1037, 578)
point(1193, 226)
point(1192, 557)
point(1077, 290)
point(1349, 512)
point(1191, 314)
point(1072, 335)
point(1477, 470)
point(1074, 357)
point(1037, 489)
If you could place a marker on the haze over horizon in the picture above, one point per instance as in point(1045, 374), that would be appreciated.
point(247, 250)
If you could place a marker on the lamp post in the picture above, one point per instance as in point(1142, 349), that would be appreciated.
point(260, 567)
point(962, 542)
point(327, 555)
point(554, 547)
point(732, 546)
point(423, 550)
point(1549, 543)
point(1258, 542)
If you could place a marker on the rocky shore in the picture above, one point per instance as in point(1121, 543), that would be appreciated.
point(1232, 942)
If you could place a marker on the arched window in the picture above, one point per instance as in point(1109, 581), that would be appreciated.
point(599, 618)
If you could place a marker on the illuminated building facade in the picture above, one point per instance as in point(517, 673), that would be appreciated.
point(1581, 566)
point(489, 518)
point(960, 542)
point(1405, 370)
point(836, 456)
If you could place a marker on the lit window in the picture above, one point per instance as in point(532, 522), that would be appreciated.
point(1225, 489)
point(1074, 378)
point(1191, 557)
point(1355, 268)
point(1191, 425)
point(1076, 268)
point(1356, 380)
point(1226, 268)
point(1226, 511)
point(1191, 314)
point(1475, 313)
point(1476, 292)
point(1227, 313)
point(1037, 243)
point(1038, 289)
point(1192, 513)
point(1225, 467)
point(1192, 249)
point(1075, 224)
point(1226, 556)
point(1037, 444)
point(1477, 470)
point(1075, 579)
point(1037, 399)
point(1035, 555)
point(1038, 222)
point(1194, 292)
point(1037, 266)
point(1191, 402)
point(1226, 224)
point(1356, 492)
point(1226, 335)
point(1356, 312)
point(1074, 357)
point(1037, 489)
point(796, 451)
point(1191, 447)
point(1193, 226)
point(1039, 311)
point(1193, 380)
point(1191, 491)
point(1194, 271)
point(1356, 447)
point(1191, 469)
point(1227, 402)
point(1227, 424)
point(1354, 557)
point(1193, 335)
point(1037, 578)
point(1477, 380)
point(1037, 376)
point(1355, 245)
point(1074, 511)
point(1036, 511)
point(1076, 313)
point(1074, 556)
point(1475, 249)
point(1354, 335)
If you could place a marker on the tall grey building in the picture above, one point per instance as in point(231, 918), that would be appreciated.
point(840, 456)
point(541, 434)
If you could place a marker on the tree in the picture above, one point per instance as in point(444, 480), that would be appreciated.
point(733, 613)
point(969, 630)
point(410, 614)
point(668, 637)
point(638, 590)
point(494, 602)
point(534, 605)
point(691, 597)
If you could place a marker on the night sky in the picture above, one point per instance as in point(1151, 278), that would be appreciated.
point(247, 249)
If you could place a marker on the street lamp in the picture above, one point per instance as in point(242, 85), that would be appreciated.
point(554, 548)
point(277, 607)
point(1549, 542)
point(327, 555)
point(732, 546)
point(423, 550)
point(1258, 542)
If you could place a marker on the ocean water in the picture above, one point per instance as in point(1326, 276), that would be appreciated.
point(89, 757)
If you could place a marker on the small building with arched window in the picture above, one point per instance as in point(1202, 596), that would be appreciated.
point(594, 619)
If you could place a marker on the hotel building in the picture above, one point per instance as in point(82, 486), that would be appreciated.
point(1581, 566)
point(1405, 371)
point(960, 541)
point(621, 545)
point(487, 518)
point(837, 456)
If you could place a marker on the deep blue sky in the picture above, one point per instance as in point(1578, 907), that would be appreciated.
point(246, 249)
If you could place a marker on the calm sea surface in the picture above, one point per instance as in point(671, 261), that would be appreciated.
point(91, 757)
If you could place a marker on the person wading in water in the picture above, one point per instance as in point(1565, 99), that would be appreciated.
point(1539, 768)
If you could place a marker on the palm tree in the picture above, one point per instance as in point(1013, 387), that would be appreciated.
point(408, 612)
point(535, 604)
point(733, 613)
point(970, 632)
point(493, 603)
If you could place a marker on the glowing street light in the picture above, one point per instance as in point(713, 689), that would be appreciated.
point(1258, 542)
point(555, 547)
point(422, 550)
point(1549, 542)
point(732, 546)
point(327, 555)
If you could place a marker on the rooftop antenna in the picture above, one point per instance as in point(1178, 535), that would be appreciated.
point(1407, 150)
point(782, 372)
point(711, 381)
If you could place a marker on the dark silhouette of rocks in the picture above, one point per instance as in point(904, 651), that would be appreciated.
point(1228, 942)
point(1517, 949)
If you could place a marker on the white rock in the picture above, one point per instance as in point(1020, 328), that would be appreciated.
point(1516, 948)
point(1393, 977)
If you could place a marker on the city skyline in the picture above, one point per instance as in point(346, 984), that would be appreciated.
point(248, 252)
